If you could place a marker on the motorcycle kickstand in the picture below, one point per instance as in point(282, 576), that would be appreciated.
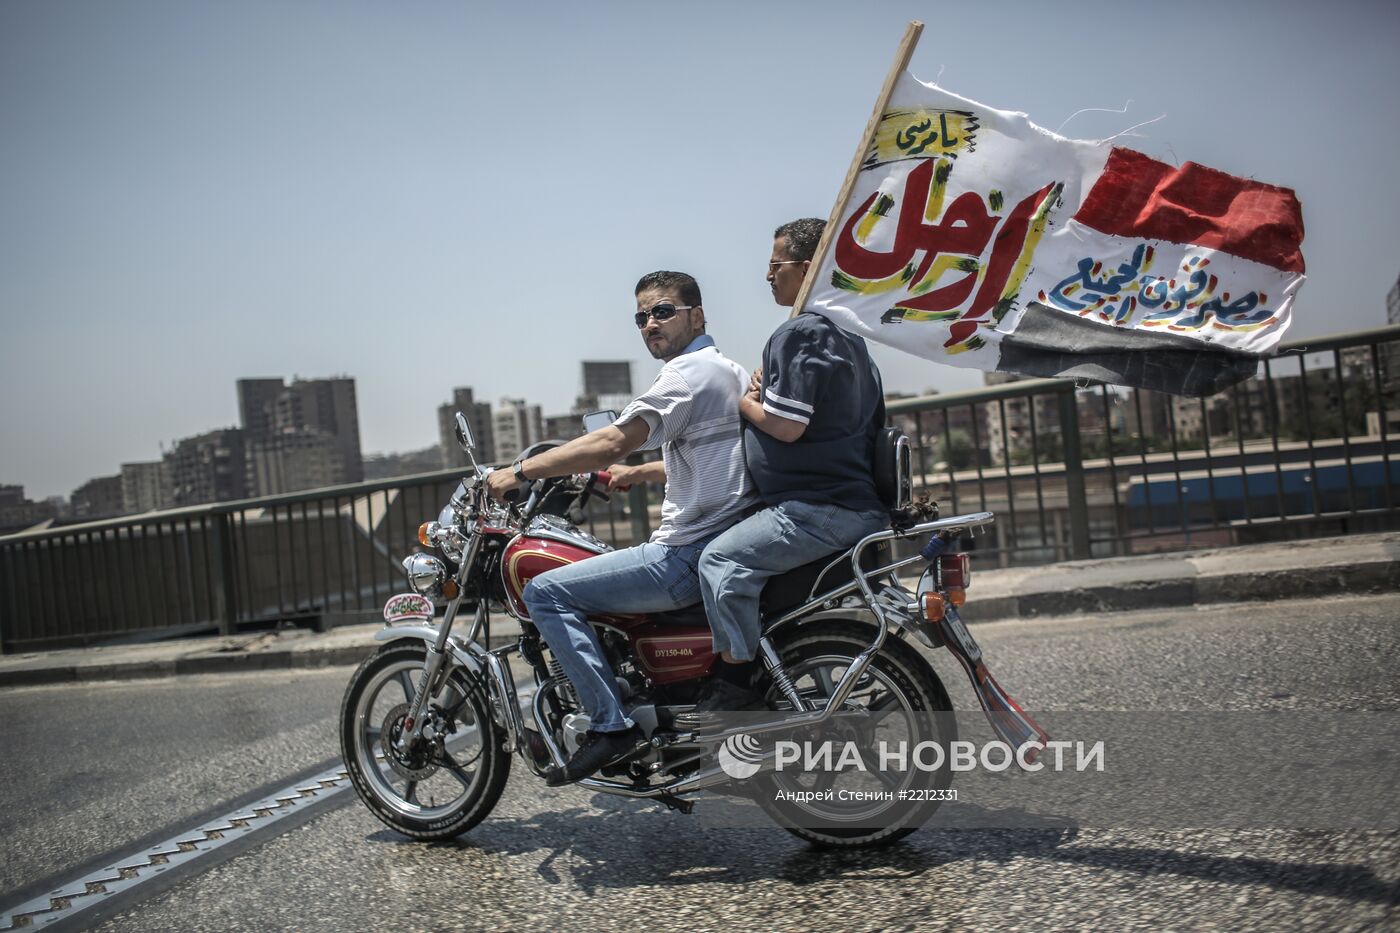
point(675, 803)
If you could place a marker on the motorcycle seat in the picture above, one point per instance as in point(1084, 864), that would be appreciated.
point(789, 590)
point(792, 588)
point(684, 617)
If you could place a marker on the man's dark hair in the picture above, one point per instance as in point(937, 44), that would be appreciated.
point(802, 236)
point(685, 285)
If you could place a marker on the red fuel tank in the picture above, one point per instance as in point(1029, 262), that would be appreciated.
point(529, 555)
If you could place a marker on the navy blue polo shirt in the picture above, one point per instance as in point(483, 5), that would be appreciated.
point(818, 374)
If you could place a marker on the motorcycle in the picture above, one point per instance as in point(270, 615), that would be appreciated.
point(430, 722)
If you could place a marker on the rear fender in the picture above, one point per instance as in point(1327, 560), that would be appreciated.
point(862, 617)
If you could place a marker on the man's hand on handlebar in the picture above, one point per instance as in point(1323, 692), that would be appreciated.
point(501, 483)
point(624, 477)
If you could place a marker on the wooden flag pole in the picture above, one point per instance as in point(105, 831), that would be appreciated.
point(901, 62)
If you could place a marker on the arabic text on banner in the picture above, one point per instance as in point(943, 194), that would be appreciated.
point(975, 238)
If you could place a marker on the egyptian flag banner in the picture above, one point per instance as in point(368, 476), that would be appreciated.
point(971, 236)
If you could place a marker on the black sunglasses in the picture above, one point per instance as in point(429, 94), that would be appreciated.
point(661, 313)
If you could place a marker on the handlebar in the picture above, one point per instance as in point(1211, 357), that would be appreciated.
point(591, 484)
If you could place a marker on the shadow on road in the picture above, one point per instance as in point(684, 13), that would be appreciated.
point(1349, 882)
point(622, 847)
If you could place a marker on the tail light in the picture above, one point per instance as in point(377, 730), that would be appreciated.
point(954, 571)
point(944, 585)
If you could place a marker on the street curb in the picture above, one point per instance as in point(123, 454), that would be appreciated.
point(1150, 594)
point(1370, 578)
point(214, 663)
point(1349, 579)
point(1356, 579)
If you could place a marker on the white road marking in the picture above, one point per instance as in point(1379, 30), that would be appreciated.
point(98, 887)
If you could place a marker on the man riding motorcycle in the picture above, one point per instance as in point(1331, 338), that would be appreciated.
point(691, 412)
point(814, 409)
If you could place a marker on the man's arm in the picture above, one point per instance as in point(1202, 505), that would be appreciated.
point(595, 451)
point(784, 391)
point(784, 429)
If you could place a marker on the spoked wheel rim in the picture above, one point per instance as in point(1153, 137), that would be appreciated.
point(433, 782)
point(883, 709)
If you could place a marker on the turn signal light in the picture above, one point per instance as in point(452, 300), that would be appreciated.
point(450, 589)
point(957, 596)
point(933, 607)
point(423, 538)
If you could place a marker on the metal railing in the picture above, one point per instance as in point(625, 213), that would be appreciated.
point(1307, 447)
point(323, 557)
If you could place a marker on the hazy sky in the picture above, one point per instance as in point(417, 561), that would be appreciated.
point(424, 195)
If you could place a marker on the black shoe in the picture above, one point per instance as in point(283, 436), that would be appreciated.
point(601, 749)
point(718, 697)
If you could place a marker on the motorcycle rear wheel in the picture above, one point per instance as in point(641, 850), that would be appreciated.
point(898, 681)
point(443, 789)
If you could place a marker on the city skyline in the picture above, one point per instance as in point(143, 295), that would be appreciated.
point(1303, 397)
point(304, 434)
point(439, 195)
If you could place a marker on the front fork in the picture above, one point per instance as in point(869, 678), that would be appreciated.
point(435, 668)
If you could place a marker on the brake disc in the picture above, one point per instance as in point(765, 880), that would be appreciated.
point(418, 762)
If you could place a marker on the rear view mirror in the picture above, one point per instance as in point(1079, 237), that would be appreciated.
point(464, 432)
point(598, 419)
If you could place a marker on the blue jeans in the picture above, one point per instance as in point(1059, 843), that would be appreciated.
point(645, 578)
point(736, 564)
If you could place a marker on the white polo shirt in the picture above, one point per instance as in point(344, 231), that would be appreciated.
point(693, 411)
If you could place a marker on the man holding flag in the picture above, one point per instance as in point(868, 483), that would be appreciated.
point(813, 411)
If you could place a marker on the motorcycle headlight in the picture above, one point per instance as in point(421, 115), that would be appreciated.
point(426, 574)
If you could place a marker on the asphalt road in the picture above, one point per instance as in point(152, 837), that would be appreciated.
point(90, 769)
point(94, 771)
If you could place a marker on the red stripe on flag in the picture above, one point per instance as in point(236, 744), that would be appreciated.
point(1139, 197)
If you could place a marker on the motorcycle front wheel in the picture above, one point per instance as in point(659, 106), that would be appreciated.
point(898, 702)
point(443, 786)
